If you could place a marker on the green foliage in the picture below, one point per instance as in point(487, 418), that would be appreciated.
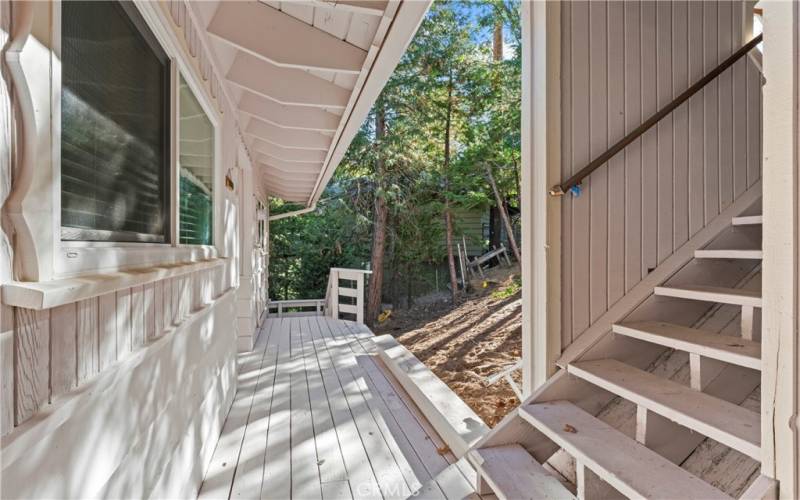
point(447, 71)
point(507, 291)
point(304, 248)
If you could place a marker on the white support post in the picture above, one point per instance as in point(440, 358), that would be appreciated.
point(657, 432)
point(334, 294)
point(541, 214)
point(703, 370)
point(747, 322)
point(360, 298)
point(592, 487)
point(780, 342)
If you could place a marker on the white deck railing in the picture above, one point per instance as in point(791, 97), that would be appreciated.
point(354, 295)
point(293, 308)
point(333, 305)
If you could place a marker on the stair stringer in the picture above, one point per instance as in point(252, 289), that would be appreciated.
point(639, 293)
point(597, 341)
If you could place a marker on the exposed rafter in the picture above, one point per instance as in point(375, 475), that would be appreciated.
point(296, 117)
point(370, 7)
point(289, 166)
point(287, 154)
point(302, 169)
point(296, 197)
point(292, 186)
point(290, 138)
point(301, 192)
point(289, 186)
point(299, 189)
point(289, 86)
point(280, 39)
point(289, 177)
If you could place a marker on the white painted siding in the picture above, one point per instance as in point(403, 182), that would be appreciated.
point(121, 395)
point(621, 62)
point(130, 422)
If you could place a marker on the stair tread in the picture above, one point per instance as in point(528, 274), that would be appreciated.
point(456, 481)
point(735, 296)
point(728, 254)
point(716, 418)
point(630, 467)
point(513, 473)
point(734, 350)
point(748, 220)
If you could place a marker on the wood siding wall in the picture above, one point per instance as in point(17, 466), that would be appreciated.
point(57, 350)
point(621, 62)
point(146, 426)
point(144, 374)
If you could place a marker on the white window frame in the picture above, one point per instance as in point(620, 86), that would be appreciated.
point(216, 123)
point(75, 258)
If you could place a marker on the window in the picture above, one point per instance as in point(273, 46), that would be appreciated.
point(115, 168)
point(196, 170)
point(261, 217)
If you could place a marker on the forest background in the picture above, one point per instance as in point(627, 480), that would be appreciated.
point(445, 128)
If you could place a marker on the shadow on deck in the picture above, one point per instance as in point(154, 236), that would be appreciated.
point(318, 415)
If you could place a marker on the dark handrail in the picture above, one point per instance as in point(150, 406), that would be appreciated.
point(576, 179)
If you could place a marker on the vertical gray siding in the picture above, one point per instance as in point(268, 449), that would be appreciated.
point(621, 62)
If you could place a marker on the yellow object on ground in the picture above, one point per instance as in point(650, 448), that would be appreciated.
point(384, 315)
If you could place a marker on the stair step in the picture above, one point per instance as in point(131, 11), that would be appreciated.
point(729, 254)
point(734, 296)
point(514, 474)
point(718, 419)
point(456, 481)
point(630, 467)
point(748, 220)
point(733, 350)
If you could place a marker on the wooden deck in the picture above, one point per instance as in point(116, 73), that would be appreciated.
point(317, 415)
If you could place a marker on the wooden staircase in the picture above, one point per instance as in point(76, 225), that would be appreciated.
point(672, 418)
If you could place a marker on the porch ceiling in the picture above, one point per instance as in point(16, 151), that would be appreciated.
point(304, 75)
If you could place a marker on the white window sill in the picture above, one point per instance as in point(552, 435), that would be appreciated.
point(47, 294)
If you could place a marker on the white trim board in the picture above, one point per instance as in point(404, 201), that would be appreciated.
point(456, 423)
point(47, 294)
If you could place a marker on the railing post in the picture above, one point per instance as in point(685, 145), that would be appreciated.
point(360, 298)
point(280, 310)
point(334, 294)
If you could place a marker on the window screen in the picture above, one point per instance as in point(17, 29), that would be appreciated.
point(197, 170)
point(114, 126)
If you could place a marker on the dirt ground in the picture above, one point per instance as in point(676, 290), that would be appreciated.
point(463, 346)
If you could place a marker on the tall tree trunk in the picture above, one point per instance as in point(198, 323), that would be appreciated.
point(448, 216)
point(378, 226)
point(497, 40)
point(504, 214)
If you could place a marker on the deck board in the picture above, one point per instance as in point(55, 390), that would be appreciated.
point(317, 415)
